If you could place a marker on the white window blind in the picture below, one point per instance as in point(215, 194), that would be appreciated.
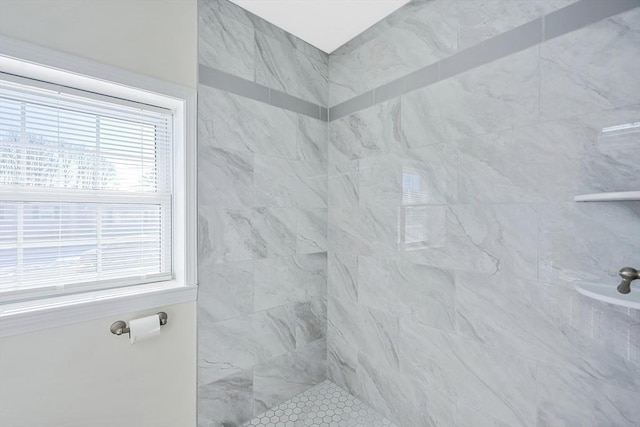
point(85, 191)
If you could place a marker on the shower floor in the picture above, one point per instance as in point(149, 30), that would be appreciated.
point(325, 405)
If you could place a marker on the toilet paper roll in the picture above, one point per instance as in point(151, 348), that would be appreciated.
point(144, 328)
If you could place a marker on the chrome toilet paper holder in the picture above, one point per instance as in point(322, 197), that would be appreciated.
point(120, 327)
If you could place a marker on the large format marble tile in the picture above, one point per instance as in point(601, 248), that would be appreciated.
point(274, 332)
point(500, 383)
point(552, 161)
point(226, 235)
point(466, 416)
point(225, 348)
point(372, 332)
point(566, 399)
point(612, 154)
point(367, 133)
point(225, 44)
point(225, 290)
point(591, 69)
point(344, 319)
point(587, 241)
point(274, 231)
point(422, 228)
point(344, 190)
point(310, 320)
point(496, 96)
point(287, 280)
point(311, 231)
point(402, 398)
point(342, 276)
point(342, 361)
point(378, 336)
point(412, 291)
point(428, 35)
point(312, 140)
point(240, 234)
point(227, 9)
point(288, 40)
point(229, 346)
point(485, 19)
point(287, 183)
point(364, 231)
point(535, 320)
point(232, 11)
point(285, 376)
point(478, 238)
point(284, 68)
point(225, 177)
point(227, 401)
point(223, 122)
point(425, 175)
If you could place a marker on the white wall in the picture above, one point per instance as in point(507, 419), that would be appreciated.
point(153, 37)
point(82, 375)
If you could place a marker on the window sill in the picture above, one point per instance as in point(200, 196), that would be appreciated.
point(30, 316)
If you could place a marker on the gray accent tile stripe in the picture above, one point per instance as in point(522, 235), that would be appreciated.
point(389, 90)
point(356, 103)
point(324, 114)
point(583, 13)
point(423, 77)
point(505, 44)
point(230, 83)
point(289, 102)
point(562, 21)
point(239, 86)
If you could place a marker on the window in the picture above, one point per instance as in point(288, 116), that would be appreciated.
point(85, 191)
point(102, 158)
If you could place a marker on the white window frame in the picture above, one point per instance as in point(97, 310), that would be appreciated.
point(35, 62)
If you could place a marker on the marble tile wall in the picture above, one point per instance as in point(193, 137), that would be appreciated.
point(262, 212)
point(238, 42)
point(439, 223)
point(422, 33)
point(453, 241)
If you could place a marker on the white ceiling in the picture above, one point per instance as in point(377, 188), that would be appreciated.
point(326, 24)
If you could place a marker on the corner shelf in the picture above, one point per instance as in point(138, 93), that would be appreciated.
point(609, 294)
point(608, 197)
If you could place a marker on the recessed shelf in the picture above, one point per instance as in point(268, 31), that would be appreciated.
point(609, 294)
point(608, 197)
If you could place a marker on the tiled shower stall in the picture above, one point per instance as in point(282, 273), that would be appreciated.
point(397, 217)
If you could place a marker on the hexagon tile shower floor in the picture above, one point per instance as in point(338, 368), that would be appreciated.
point(325, 405)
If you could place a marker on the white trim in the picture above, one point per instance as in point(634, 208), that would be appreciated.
point(82, 67)
point(30, 316)
point(35, 62)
